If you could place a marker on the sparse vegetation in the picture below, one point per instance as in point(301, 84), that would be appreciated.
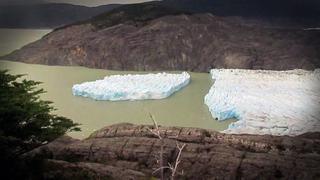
point(173, 167)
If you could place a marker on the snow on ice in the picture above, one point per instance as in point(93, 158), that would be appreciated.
point(132, 87)
point(266, 102)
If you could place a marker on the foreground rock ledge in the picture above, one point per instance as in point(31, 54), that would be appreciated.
point(126, 151)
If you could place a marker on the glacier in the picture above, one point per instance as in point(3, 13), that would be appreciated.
point(266, 102)
point(133, 86)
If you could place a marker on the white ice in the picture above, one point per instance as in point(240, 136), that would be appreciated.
point(266, 102)
point(133, 87)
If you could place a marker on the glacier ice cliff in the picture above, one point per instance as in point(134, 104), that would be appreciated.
point(132, 87)
point(266, 102)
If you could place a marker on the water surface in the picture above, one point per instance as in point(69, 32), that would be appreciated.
point(12, 39)
point(185, 108)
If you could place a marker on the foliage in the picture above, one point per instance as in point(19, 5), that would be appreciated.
point(24, 117)
point(25, 120)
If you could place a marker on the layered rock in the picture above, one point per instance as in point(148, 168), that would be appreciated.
point(197, 42)
point(129, 151)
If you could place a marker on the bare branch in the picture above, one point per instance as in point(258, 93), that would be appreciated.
point(154, 121)
point(160, 168)
point(158, 134)
point(155, 133)
point(174, 169)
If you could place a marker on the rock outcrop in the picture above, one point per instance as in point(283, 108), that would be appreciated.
point(126, 151)
point(156, 38)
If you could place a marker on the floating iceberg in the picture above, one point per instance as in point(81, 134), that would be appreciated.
point(132, 87)
point(266, 102)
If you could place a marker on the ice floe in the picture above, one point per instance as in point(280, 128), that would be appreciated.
point(266, 102)
point(132, 87)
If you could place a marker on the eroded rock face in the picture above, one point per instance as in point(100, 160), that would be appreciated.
point(131, 152)
point(197, 42)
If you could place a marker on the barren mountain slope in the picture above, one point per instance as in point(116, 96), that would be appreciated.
point(178, 41)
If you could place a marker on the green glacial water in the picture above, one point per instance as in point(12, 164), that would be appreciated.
point(185, 108)
point(12, 39)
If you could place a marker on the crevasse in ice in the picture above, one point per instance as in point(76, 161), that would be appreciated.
point(266, 102)
point(132, 87)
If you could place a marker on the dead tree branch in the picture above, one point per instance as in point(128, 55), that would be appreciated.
point(173, 168)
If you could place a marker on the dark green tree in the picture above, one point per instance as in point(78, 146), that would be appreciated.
point(26, 121)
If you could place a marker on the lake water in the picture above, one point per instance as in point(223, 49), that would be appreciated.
point(12, 39)
point(185, 108)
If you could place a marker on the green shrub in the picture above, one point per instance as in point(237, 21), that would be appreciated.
point(26, 121)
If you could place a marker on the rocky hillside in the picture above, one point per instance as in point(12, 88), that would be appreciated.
point(154, 37)
point(127, 151)
point(47, 15)
point(251, 8)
